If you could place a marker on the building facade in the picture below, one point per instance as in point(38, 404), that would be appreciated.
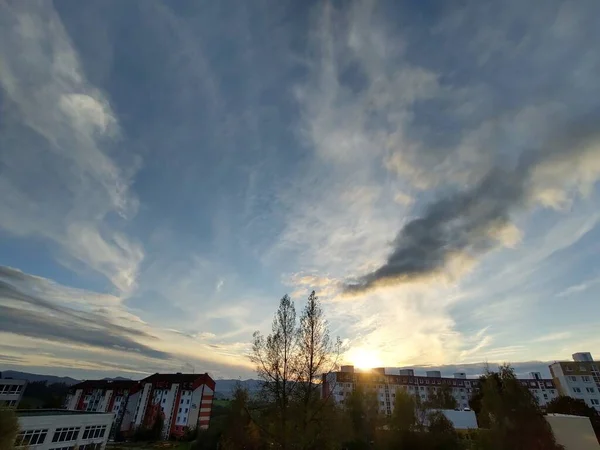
point(11, 392)
point(183, 400)
point(579, 378)
point(385, 383)
point(41, 429)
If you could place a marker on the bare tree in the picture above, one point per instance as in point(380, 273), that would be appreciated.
point(318, 355)
point(276, 360)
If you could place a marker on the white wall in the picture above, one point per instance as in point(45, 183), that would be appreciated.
point(52, 422)
point(573, 432)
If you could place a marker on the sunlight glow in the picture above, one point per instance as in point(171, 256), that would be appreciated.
point(363, 358)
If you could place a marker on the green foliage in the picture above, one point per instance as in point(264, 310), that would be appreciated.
point(40, 394)
point(403, 417)
point(240, 431)
point(9, 428)
point(152, 433)
point(510, 412)
point(441, 398)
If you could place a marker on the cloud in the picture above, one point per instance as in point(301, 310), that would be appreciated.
point(553, 337)
point(63, 168)
point(466, 224)
point(575, 289)
point(32, 315)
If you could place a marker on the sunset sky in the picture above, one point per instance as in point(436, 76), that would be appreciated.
point(169, 170)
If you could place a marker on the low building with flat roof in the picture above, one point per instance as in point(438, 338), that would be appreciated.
point(59, 429)
point(11, 392)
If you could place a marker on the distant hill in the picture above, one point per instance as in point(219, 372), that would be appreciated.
point(37, 377)
point(224, 387)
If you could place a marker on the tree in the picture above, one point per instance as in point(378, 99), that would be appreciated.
point(276, 361)
point(403, 418)
point(441, 433)
point(240, 432)
point(511, 413)
point(575, 407)
point(9, 428)
point(317, 354)
point(442, 398)
point(362, 418)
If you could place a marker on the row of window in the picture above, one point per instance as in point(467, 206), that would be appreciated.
point(72, 447)
point(65, 434)
point(94, 431)
point(30, 437)
point(10, 389)
point(584, 378)
point(582, 368)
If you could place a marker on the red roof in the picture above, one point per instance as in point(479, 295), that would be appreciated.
point(193, 379)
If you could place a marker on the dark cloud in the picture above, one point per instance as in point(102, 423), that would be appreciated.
point(463, 224)
point(52, 328)
point(54, 322)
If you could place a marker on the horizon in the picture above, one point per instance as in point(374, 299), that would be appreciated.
point(169, 171)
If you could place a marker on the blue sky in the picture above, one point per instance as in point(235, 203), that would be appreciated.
point(168, 170)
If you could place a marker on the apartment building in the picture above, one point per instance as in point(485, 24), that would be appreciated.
point(385, 383)
point(111, 396)
point(183, 400)
point(579, 378)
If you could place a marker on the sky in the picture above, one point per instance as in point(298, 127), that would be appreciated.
point(169, 170)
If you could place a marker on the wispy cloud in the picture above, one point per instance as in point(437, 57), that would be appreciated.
point(69, 173)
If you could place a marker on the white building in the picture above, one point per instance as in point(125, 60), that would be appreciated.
point(57, 429)
point(11, 391)
point(386, 381)
point(184, 401)
point(579, 378)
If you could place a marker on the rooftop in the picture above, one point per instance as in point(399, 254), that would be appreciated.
point(53, 412)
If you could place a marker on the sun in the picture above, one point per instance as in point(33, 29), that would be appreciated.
point(364, 358)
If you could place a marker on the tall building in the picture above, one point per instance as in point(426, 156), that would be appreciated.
point(579, 378)
point(183, 400)
point(385, 383)
point(11, 392)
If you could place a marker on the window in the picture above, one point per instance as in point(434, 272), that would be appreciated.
point(586, 379)
point(65, 434)
point(582, 369)
point(94, 431)
point(594, 401)
point(188, 401)
point(568, 369)
point(179, 409)
point(181, 403)
point(545, 396)
point(186, 410)
point(590, 390)
point(164, 400)
point(72, 447)
point(577, 390)
point(382, 403)
point(573, 378)
point(30, 437)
